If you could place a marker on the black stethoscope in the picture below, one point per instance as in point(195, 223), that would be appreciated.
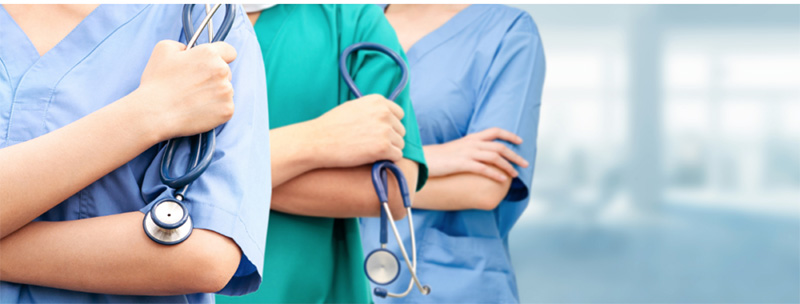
point(168, 222)
point(381, 265)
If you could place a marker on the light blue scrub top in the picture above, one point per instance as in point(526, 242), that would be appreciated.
point(101, 61)
point(483, 68)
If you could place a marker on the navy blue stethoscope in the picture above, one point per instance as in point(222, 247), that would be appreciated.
point(168, 222)
point(381, 265)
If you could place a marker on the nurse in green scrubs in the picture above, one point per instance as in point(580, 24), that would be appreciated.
point(322, 147)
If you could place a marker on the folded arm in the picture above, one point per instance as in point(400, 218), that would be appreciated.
point(462, 191)
point(341, 192)
point(112, 255)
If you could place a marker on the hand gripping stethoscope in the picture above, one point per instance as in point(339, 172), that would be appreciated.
point(168, 222)
point(381, 265)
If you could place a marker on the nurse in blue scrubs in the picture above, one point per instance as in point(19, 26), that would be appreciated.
point(84, 111)
point(476, 81)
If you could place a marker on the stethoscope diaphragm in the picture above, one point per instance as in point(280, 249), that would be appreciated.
point(382, 267)
point(168, 222)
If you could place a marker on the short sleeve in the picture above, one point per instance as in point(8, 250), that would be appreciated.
point(232, 197)
point(509, 96)
point(375, 73)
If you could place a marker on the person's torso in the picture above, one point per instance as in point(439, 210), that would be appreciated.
point(463, 255)
point(99, 62)
point(307, 259)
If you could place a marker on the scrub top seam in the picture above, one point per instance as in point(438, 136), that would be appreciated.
point(53, 90)
point(13, 93)
point(236, 215)
point(522, 105)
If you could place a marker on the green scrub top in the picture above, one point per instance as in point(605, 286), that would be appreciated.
point(313, 259)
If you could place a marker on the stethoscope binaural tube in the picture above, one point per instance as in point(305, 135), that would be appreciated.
point(168, 222)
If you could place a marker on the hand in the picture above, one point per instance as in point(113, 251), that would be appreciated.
point(358, 132)
point(476, 153)
point(188, 91)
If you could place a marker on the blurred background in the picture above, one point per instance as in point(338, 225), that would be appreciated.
point(669, 156)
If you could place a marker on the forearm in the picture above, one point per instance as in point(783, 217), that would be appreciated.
point(112, 255)
point(290, 157)
point(42, 172)
point(461, 191)
point(341, 193)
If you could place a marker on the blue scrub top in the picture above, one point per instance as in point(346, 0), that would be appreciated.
point(101, 61)
point(483, 68)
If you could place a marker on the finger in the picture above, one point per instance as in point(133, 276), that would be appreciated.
point(505, 152)
point(494, 158)
point(497, 133)
point(397, 140)
point(395, 154)
point(485, 170)
point(396, 110)
point(226, 51)
point(398, 126)
point(169, 45)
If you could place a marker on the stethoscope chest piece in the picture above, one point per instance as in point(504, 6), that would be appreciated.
point(168, 222)
point(382, 266)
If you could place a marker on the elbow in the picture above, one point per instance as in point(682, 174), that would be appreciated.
point(216, 262)
point(488, 199)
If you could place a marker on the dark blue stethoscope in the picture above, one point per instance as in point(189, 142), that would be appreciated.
point(381, 265)
point(168, 222)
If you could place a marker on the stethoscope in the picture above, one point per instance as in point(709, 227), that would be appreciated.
point(168, 222)
point(381, 265)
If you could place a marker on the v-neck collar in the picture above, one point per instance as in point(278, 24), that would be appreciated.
point(34, 78)
point(446, 31)
point(74, 47)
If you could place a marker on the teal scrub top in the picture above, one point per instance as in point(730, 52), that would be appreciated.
point(483, 68)
point(100, 61)
point(314, 259)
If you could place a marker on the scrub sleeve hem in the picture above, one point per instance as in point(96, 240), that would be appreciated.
point(247, 277)
point(414, 152)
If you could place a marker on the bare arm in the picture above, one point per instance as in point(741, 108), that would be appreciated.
point(341, 192)
point(42, 172)
point(462, 191)
point(112, 255)
point(472, 172)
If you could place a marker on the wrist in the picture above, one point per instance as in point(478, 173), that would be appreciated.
point(295, 145)
point(145, 122)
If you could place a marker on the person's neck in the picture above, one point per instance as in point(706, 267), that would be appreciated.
point(425, 8)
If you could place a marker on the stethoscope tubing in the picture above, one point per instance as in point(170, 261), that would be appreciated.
point(202, 147)
point(412, 267)
point(348, 80)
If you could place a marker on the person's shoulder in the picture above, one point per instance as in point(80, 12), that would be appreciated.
point(511, 19)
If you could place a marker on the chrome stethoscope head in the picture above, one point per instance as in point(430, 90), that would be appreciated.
point(168, 222)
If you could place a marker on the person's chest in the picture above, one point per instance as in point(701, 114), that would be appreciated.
point(99, 61)
point(46, 25)
point(300, 45)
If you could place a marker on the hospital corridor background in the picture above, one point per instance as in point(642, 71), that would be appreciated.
point(668, 167)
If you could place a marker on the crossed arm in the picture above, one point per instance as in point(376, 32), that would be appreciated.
point(322, 167)
point(111, 254)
